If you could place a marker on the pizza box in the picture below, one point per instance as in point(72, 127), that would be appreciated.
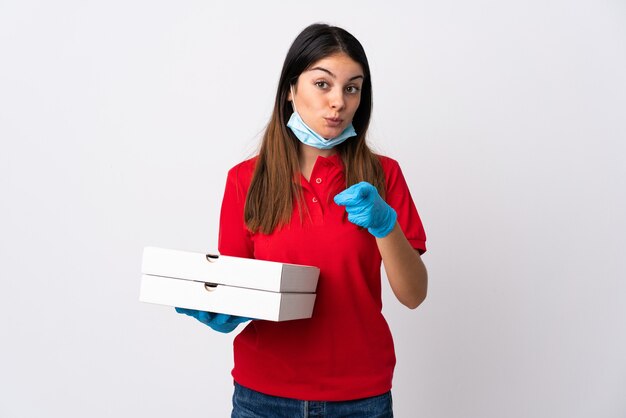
point(251, 288)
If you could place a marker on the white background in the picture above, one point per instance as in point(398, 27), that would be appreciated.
point(119, 120)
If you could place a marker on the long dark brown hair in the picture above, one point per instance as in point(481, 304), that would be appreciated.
point(275, 183)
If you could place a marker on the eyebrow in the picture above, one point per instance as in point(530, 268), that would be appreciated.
point(333, 75)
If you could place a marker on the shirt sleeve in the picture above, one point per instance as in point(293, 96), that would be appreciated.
point(399, 197)
point(234, 238)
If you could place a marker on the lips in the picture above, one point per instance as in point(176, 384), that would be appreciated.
point(333, 122)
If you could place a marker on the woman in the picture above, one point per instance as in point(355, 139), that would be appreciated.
point(289, 204)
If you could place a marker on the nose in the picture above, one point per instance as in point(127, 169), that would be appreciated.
point(336, 99)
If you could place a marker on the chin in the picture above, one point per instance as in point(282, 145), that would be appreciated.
point(331, 134)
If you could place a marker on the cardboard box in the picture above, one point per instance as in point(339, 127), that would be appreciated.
point(232, 285)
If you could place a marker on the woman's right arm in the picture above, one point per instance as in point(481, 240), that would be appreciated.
point(234, 238)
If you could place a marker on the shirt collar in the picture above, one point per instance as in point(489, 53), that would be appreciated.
point(334, 159)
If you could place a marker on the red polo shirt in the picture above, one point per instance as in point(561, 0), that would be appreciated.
point(345, 351)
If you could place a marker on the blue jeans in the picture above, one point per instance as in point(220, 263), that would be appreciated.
point(248, 403)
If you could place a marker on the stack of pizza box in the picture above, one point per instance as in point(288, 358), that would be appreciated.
point(237, 286)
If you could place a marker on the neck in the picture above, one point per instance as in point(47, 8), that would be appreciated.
point(307, 155)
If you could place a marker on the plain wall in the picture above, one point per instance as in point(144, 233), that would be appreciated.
point(119, 120)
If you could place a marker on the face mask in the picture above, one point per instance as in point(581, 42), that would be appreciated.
point(308, 136)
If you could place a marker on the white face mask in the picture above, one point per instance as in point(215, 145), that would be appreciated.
point(308, 136)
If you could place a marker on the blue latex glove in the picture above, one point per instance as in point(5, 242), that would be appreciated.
point(366, 208)
point(218, 321)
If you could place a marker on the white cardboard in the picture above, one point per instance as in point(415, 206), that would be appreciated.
point(232, 271)
point(257, 304)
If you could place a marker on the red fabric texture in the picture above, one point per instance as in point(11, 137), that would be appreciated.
point(345, 351)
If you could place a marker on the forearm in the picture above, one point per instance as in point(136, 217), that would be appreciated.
point(404, 267)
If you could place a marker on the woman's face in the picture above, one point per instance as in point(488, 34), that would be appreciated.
point(328, 94)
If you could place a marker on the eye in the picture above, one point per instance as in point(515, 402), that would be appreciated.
point(352, 89)
point(321, 84)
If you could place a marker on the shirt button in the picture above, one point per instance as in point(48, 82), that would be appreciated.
point(314, 200)
point(318, 180)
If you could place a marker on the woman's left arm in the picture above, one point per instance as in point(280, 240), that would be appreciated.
point(404, 267)
point(403, 264)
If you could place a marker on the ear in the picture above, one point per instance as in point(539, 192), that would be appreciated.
point(292, 88)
